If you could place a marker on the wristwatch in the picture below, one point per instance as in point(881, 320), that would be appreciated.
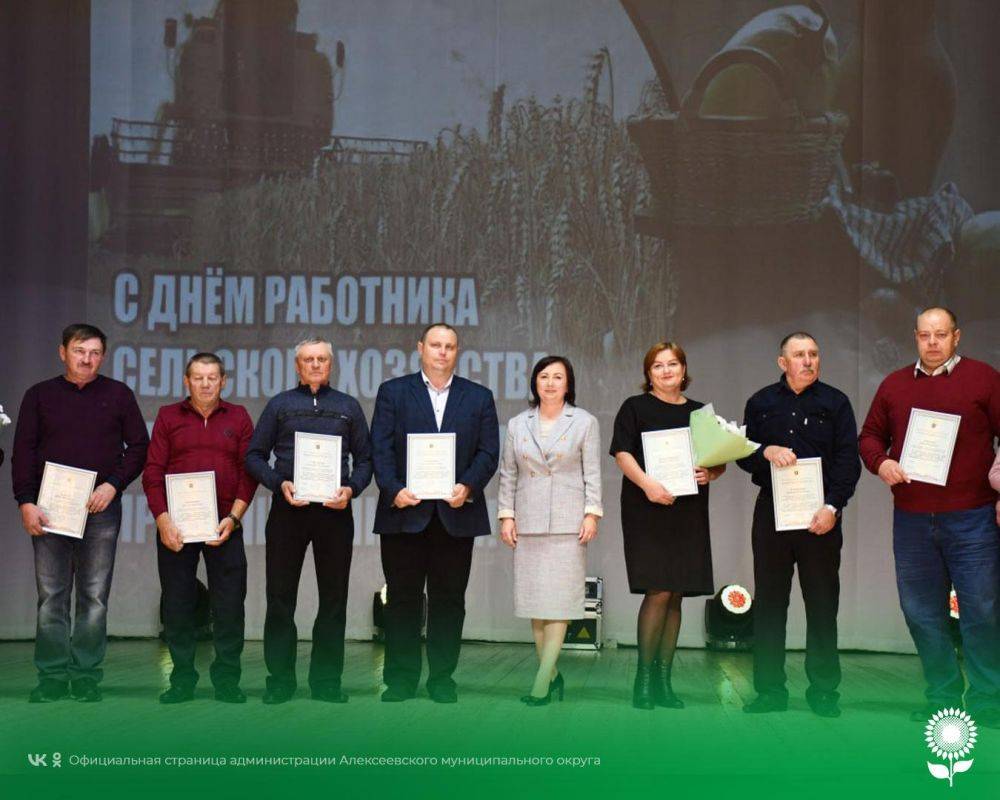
point(237, 525)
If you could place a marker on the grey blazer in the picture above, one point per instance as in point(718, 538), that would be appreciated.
point(548, 485)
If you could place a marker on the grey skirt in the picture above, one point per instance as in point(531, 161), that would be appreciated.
point(549, 574)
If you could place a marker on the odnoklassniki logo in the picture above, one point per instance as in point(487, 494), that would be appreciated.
point(950, 734)
point(41, 759)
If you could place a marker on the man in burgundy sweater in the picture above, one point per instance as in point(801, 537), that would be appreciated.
point(944, 535)
point(85, 420)
point(200, 434)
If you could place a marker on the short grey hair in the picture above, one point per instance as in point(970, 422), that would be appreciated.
point(795, 335)
point(311, 341)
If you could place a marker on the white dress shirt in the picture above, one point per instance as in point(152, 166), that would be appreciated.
point(439, 397)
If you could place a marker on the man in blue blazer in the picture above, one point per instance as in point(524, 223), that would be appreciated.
point(431, 540)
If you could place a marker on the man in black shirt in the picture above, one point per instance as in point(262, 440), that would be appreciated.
point(799, 417)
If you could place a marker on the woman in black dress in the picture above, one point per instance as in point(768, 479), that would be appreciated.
point(668, 553)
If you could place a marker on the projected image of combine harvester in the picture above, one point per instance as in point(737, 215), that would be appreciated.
point(253, 97)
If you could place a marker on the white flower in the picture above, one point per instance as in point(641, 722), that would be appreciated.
point(4, 419)
point(951, 733)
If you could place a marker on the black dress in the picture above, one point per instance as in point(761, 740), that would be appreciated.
point(666, 547)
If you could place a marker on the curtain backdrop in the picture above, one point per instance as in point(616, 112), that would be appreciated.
point(255, 172)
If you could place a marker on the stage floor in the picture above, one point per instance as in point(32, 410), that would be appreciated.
point(711, 744)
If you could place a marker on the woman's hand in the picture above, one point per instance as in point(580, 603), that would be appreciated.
point(656, 492)
point(508, 532)
point(588, 529)
point(703, 475)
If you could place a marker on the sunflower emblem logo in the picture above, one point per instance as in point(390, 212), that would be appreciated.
point(950, 734)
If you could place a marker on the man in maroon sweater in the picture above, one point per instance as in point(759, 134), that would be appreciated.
point(945, 535)
point(200, 434)
point(80, 419)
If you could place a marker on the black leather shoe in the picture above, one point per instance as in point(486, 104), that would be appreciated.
point(395, 695)
point(766, 703)
point(642, 689)
point(329, 694)
point(663, 691)
point(824, 705)
point(443, 694)
point(48, 691)
point(925, 712)
point(230, 694)
point(86, 690)
point(177, 694)
point(557, 687)
point(276, 695)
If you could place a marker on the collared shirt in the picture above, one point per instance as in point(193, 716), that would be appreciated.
point(185, 441)
point(819, 421)
point(97, 427)
point(439, 397)
point(328, 411)
point(946, 367)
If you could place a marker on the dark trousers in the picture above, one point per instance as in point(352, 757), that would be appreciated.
point(775, 556)
point(226, 566)
point(408, 561)
point(288, 533)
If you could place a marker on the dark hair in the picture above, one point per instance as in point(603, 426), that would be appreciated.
point(80, 332)
point(205, 358)
point(653, 352)
point(795, 335)
point(429, 328)
point(548, 361)
point(948, 311)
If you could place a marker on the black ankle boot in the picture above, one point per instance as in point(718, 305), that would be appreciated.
point(663, 692)
point(642, 691)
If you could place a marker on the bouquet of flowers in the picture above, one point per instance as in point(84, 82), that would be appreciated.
point(717, 441)
point(4, 422)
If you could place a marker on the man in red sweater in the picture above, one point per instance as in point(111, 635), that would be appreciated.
point(945, 535)
point(200, 434)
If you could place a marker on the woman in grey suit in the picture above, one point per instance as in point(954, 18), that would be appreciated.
point(550, 503)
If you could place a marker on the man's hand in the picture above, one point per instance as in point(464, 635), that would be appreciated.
point(822, 521)
point(780, 456)
point(656, 492)
point(892, 473)
point(32, 518)
point(288, 490)
point(101, 497)
point(508, 532)
point(405, 498)
point(341, 499)
point(170, 534)
point(459, 495)
point(225, 530)
point(588, 529)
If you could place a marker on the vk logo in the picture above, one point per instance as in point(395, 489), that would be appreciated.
point(37, 759)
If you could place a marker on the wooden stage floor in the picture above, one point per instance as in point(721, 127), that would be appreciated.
point(709, 744)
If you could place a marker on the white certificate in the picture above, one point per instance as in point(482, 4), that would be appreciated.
point(317, 466)
point(193, 506)
point(63, 498)
point(798, 493)
point(669, 459)
point(430, 465)
point(928, 446)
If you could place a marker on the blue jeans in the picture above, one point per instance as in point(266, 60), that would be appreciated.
point(59, 562)
point(934, 551)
